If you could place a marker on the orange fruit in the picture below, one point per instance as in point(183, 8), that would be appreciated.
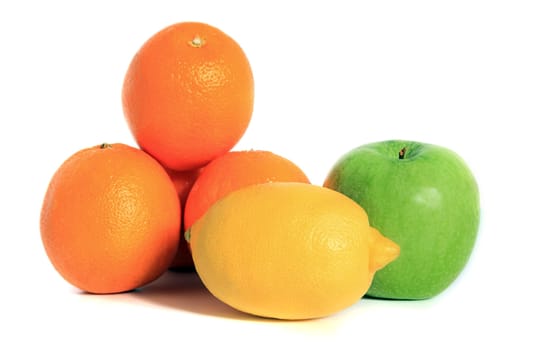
point(235, 170)
point(288, 250)
point(188, 95)
point(183, 181)
point(110, 219)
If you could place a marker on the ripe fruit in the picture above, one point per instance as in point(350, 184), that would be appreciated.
point(287, 250)
point(424, 198)
point(188, 95)
point(235, 170)
point(183, 181)
point(110, 219)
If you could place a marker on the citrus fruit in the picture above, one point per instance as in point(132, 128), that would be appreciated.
point(287, 250)
point(188, 94)
point(183, 181)
point(235, 170)
point(110, 219)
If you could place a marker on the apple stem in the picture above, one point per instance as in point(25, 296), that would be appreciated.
point(402, 153)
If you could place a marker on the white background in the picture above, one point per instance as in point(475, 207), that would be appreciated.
point(331, 75)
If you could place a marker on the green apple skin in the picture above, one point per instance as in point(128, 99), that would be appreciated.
point(423, 197)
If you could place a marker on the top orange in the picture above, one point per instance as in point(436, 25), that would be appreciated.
point(188, 95)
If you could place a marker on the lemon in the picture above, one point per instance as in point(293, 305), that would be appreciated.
point(288, 250)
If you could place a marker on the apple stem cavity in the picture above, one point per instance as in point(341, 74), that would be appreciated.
point(402, 153)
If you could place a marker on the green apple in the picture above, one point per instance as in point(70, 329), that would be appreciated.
point(423, 197)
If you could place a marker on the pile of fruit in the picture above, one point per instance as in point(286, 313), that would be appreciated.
point(394, 219)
